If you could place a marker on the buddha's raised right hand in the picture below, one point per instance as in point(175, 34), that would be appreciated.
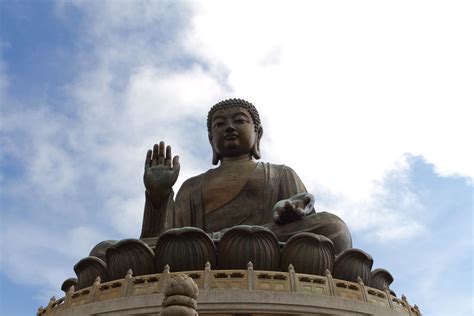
point(160, 175)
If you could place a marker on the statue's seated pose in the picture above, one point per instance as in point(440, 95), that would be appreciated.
point(240, 191)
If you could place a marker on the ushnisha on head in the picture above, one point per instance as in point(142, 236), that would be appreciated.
point(234, 129)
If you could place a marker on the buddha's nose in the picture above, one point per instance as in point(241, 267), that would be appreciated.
point(230, 129)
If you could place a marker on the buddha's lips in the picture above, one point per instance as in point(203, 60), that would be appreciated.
point(231, 137)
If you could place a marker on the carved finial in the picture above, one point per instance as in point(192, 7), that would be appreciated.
point(291, 267)
point(52, 299)
point(359, 280)
point(180, 295)
point(404, 298)
point(417, 308)
point(166, 269)
point(250, 265)
point(129, 273)
point(207, 266)
point(327, 272)
point(97, 280)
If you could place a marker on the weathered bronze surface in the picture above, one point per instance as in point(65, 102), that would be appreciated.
point(88, 269)
point(308, 253)
point(240, 191)
point(352, 264)
point(68, 283)
point(243, 244)
point(184, 249)
point(380, 278)
point(100, 249)
point(130, 254)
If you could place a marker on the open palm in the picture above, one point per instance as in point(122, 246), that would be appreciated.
point(161, 172)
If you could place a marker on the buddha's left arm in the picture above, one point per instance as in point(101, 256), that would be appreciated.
point(294, 200)
point(290, 184)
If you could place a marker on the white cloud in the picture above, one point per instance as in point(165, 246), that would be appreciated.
point(346, 90)
point(38, 255)
point(154, 97)
point(355, 86)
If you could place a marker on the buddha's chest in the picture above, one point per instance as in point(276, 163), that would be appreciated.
point(222, 186)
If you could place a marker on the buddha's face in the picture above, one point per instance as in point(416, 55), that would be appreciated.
point(233, 132)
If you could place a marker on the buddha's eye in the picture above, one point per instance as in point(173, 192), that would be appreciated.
point(218, 124)
point(241, 120)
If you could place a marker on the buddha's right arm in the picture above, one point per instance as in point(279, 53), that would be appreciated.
point(161, 173)
point(158, 215)
point(162, 212)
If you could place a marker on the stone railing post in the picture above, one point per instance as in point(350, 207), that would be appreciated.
point(331, 285)
point(293, 278)
point(207, 276)
point(404, 299)
point(40, 311)
point(363, 290)
point(48, 308)
point(164, 278)
point(94, 288)
point(68, 297)
point(389, 296)
point(126, 284)
point(250, 277)
point(417, 309)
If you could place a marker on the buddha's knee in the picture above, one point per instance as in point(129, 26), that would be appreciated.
point(322, 223)
point(331, 226)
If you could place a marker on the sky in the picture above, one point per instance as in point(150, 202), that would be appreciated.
point(369, 102)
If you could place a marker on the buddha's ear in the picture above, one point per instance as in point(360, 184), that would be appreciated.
point(215, 159)
point(256, 147)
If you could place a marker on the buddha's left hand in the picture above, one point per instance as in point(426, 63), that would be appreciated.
point(293, 209)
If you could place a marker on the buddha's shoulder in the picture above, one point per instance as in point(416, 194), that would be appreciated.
point(279, 168)
point(190, 184)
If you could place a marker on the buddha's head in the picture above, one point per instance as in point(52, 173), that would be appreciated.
point(234, 130)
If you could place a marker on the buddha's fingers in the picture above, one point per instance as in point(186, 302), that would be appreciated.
point(168, 156)
point(276, 215)
point(281, 214)
point(176, 164)
point(299, 212)
point(289, 206)
point(281, 211)
point(154, 160)
point(148, 159)
point(161, 154)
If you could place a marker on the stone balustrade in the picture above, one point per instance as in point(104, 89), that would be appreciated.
point(228, 280)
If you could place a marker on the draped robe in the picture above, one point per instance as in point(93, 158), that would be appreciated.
point(253, 205)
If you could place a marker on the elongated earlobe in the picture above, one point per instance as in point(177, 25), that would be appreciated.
point(255, 151)
point(215, 157)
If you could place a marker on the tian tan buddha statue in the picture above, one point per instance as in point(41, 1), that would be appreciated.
point(240, 191)
point(241, 215)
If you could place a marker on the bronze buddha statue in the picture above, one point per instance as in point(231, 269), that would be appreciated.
point(239, 191)
point(243, 214)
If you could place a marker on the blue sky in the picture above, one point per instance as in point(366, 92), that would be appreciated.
point(368, 102)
